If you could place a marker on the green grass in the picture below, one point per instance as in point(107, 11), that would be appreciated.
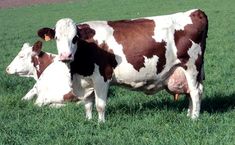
point(132, 117)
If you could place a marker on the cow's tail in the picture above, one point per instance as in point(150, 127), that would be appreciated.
point(203, 44)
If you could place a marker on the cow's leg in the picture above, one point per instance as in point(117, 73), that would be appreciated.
point(88, 101)
point(39, 101)
point(101, 91)
point(30, 94)
point(57, 105)
point(190, 105)
point(195, 95)
point(42, 99)
point(83, 88)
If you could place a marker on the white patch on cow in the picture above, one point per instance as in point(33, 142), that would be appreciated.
point(51, 86)
point(180, 20)
point(193, 53)
point(167, 24)
point(104, 33)
point(65, 31)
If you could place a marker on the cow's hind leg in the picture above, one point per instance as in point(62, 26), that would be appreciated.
point(195, 96)
point(190, 105)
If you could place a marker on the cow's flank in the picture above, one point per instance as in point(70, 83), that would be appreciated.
point(134, 35)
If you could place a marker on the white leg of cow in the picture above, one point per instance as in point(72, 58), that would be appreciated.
point(190, 107)
point(196, 101)
point(88, 101)
point(88, 109)
point(38, 102)
point(30, 94)
point(101, 91)
point(57, 105)
point(41, 100)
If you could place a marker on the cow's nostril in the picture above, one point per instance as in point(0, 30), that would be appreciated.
point(70, 55)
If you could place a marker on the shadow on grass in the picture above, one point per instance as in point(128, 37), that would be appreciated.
point(212, 104)
point(218, 103)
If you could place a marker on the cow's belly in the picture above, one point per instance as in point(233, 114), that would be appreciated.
point(148, 81)
point(145, 79)
point(126, 74)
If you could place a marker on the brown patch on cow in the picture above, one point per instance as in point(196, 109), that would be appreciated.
point(85, 32)
point(37, 46)
point(183, 44)
point(71, 97)
point(136, 38)
point(197, 32)
point(106, 69)
point(90, 53)
point(40, 60)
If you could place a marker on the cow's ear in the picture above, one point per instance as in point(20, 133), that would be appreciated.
point(37, 47)
point(46, 33)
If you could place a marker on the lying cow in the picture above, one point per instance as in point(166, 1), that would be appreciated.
point(149, 54)
point(51, 87)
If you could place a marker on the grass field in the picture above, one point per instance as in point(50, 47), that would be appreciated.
point(132, 117)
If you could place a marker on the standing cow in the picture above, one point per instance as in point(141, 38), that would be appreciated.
point(149, 54)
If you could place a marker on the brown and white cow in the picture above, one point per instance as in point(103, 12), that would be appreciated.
point(51, 88)
point(149, 54)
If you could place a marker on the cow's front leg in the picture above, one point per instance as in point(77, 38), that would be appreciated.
point(30, 94)
point(101, 91)
point(42, 100)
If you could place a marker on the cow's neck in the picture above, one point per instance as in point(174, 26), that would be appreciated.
point(88, 55)
point(41, 62)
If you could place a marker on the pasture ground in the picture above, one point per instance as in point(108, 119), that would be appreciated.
point(132, 117)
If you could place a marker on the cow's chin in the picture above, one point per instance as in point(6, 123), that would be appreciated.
point(24, 74)
point(66, 61)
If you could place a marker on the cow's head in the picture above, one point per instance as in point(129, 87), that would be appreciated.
point(22, 64)
point(65, 34)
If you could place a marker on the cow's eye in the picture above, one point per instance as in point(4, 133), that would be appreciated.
point(74, 39)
